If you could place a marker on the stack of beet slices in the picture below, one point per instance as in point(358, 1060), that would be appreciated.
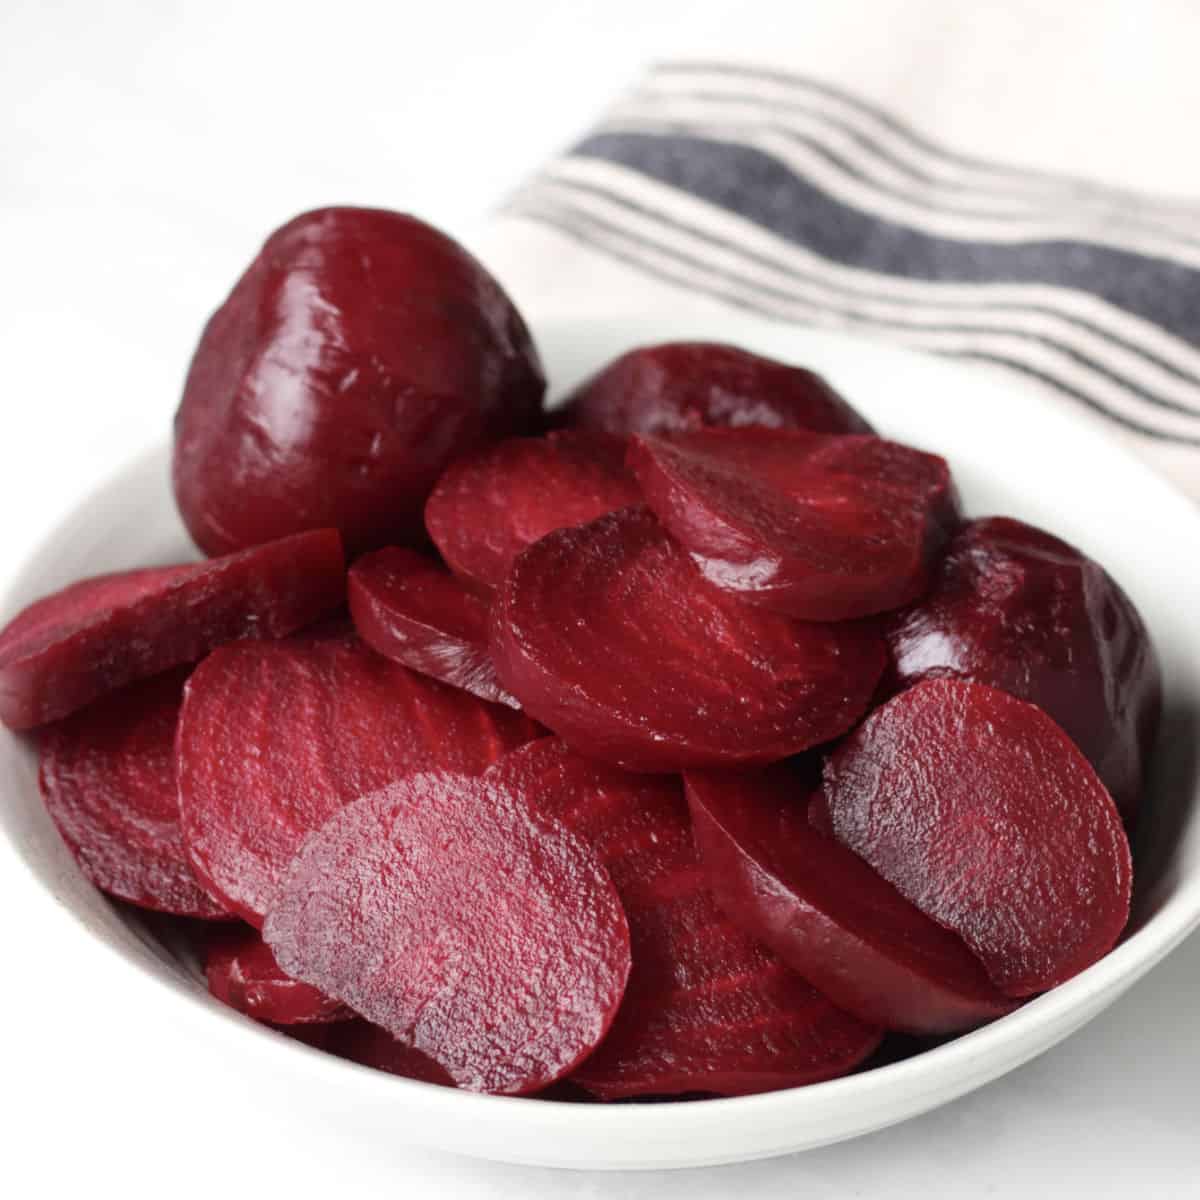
point(701, 744)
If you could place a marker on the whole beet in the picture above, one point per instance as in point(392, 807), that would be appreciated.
point(1014, 607)
point(359, 353)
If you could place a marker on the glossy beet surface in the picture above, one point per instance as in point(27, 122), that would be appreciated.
point(827, 914)
point(242, 972)
point(415, 612)
point(65, 650)
point(108, 779)
point(981, 811)
point(706, 1009)
point(489, 506)
point(692, 385)
point(656, 669)
point(359, 353)
point(276, 736)
point(440, 911)
point(820, 528)
point(1016, 608)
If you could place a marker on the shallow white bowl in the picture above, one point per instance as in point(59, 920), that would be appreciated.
point(1012, 454)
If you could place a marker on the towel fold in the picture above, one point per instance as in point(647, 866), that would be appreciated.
point(774, 191)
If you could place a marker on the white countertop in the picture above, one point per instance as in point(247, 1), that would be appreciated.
point(144, 152)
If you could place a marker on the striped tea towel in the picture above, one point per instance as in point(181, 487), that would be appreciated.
point(779, 192)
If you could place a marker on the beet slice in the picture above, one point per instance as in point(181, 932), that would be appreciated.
point(107, 776)
point(1015, 608)
point(369, 1046)
point(706, 1008)
point(442, 912)
point(981, 811)
point(67, 649)
point(691, 385)
point(827, 914)
point(657, 669)
point(361, 351)
point(489, 506)
point(415, 612)
point(814, 527)
point(242, 972)
point(275, 737)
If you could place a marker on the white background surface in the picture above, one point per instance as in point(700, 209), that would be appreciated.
point(145, 149)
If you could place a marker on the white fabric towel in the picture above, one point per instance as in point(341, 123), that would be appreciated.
point(804, 197)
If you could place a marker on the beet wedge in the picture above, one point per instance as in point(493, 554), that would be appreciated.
point(694, 385)
point(416, 613)
point(439, 910)
point(827, 914)
point(68, 649)
point(242, 972)
point(981, 811)
point(490, 505)
point(107, 776)
point(657, 669)
point(275, 737)
point(819, 528)
point(706, 1009)
point(1015, 608)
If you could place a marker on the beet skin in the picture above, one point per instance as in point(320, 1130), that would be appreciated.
point(1015, 608)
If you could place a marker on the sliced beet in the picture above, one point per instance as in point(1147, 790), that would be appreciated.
point(820, 528)
point(608, 635)
point(1013, 607)
point(415, 612)
point(359, 353)
point(442, 912)
point(276, 736)
point(982, 811)
point(242, 972)
point(369, 1046)
point(108, 779)
point(67, 649)
point(706, 1008)
point(827, 914)
point(691, 385)
point(489, 506)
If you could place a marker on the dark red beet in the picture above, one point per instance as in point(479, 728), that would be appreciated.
point(65, 650)
point(242, 972)
point(656, 669)
point(276, 736)
point(360, 352)
point(818, 815)
point(819, 528)
point(489, 506)
point(442, 912)
point(108, 780)
point(1020, 610)
point(981, 811)
point(827, 914)
point(706, 1008)
point(370, 1046)
point(691, 385)
point(416, 613)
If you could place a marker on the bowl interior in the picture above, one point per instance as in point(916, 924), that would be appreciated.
point(1011, 453)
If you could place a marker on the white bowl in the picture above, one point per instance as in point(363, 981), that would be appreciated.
point(1011, 454)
